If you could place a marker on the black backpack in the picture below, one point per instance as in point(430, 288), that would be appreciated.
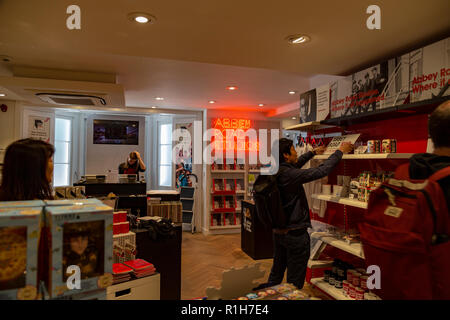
point(268, 202)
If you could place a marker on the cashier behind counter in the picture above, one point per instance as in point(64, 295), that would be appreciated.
point(133, 165)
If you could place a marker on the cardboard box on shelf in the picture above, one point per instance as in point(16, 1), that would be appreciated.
point(20, 230)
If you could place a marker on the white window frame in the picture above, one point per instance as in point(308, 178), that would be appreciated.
point(159, 165)
point(71, 146)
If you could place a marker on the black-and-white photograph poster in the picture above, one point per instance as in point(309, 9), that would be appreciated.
point(430, 71)
point(308, 106)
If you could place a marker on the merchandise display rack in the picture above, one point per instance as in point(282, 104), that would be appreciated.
point(229, 216)
point(244, 193)
point(352, 210)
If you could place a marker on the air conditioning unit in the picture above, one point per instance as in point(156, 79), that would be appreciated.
point(72, 99)
point(52, 92)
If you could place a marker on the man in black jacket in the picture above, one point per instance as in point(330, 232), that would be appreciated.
point(292, 244)
point(423, 165)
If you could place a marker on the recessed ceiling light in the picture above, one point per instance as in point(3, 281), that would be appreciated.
point(159, 98)
point(261, 104)
point(231, 88)
point(153, 107)
point(293, 118)
point(2, 94)
point(212, 101)
point(141, 17)
point(292, 92)
point(298, 38)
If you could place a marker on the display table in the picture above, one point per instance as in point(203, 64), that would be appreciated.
point(165, 255)
point(256, 240)
point(164, 195)
point(147, 288)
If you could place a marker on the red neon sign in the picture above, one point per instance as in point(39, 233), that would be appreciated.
point(226, 123)
point(222, 124)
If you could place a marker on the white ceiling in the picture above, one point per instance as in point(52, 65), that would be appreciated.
point(196, 49)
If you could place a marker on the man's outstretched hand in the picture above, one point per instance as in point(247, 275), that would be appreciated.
point(319, 150)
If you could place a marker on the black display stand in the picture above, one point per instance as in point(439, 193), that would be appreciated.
point(165, 255)
point(256, 239)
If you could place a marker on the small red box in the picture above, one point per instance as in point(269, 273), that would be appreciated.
point(124, 227)
point(119, 216)
point(116, 228)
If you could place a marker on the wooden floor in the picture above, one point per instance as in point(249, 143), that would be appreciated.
point(204, 258)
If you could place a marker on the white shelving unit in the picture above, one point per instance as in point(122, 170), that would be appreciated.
point(353, 248)
point(345, 201)
point(312, 264)
point(337, 294)
point(308, 126)
point(368, 156)
point(227, 174)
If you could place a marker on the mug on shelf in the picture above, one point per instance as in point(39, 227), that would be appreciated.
point(326, 189)
point(337, 190)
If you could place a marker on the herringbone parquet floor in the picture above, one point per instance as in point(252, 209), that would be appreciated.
point(204, 258)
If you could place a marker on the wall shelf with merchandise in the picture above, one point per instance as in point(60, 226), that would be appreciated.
point(387, 105)
point(343, 214)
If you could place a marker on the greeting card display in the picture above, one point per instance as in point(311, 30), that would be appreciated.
point(81, 236)
point(336, 142)
point(19, 242)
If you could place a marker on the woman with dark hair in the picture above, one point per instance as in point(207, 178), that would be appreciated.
point(27, 171)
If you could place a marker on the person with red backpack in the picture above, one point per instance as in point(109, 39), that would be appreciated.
point(406, 231)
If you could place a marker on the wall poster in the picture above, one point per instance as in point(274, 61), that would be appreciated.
point(39, 128)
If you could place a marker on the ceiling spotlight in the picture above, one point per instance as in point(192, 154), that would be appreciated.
point(212, 101)
point(292, 92)
point(261, 104)
point(294, 118)
point(159, 98)
point(298, 38)
point(231, 88)
point(141, 17)
point(153, 107)
point(2, 94)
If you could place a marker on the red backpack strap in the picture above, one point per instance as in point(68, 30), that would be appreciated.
point(402, 172)
point(440, 174)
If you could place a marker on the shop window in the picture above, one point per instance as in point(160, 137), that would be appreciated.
point(63, 148)
point(165, 154)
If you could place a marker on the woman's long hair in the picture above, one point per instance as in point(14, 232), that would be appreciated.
point(131, 156)
point(24, 175)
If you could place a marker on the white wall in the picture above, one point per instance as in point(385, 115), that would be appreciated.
point(101, 158)
point(322, 79)
point(7, 124)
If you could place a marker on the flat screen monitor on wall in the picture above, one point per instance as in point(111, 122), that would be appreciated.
point(116, 132)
